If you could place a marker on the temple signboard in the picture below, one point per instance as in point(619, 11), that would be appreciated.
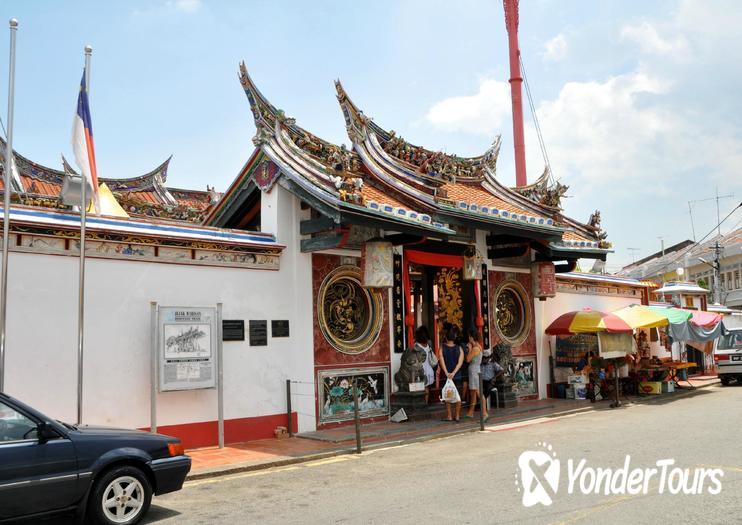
point(544, 280)
point(187, 347)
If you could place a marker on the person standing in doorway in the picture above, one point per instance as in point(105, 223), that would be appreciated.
point(474, 358)
point(451, 362)
point(422, 342)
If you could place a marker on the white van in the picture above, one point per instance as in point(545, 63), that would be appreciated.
point(728, 357)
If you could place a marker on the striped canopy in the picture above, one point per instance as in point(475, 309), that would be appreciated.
point(640, 316)
point(673, 315)
point(587, 320)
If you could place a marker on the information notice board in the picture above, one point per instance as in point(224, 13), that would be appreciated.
point(187, 347)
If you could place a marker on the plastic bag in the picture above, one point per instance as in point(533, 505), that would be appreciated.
point(449, 393)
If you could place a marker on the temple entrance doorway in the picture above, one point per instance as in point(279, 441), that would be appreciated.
point(437, 295)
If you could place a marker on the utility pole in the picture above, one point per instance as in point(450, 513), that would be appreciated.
point(717, 273)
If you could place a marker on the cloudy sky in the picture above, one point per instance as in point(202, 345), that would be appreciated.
point(638, 101)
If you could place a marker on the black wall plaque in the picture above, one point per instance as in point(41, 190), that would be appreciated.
point(280, 328)
point(258, 333)
point(233, 330)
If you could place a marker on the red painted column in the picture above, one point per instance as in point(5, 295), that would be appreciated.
point(409, 319)
point(511, 22)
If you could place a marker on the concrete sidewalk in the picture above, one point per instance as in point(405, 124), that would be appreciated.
point(267, 453)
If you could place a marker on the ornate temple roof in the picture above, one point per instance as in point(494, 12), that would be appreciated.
point(467, 184)
point(385, 175)
point(145, 195)
point(322, 172)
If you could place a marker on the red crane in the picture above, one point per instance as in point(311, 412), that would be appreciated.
point(516, 81)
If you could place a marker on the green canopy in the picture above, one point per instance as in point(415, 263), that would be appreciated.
point(674, 315)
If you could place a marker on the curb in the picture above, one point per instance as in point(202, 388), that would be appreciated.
point(241, 468)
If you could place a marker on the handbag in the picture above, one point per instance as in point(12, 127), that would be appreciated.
point(432, 358)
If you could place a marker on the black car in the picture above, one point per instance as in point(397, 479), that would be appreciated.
point(106, 475)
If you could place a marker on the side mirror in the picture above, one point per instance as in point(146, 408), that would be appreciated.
point(45, 432)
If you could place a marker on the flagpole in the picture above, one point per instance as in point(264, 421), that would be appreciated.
point(6, 203)
point(81, 292)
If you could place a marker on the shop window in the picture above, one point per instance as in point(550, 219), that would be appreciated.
point(349, 315)
point(512, 312)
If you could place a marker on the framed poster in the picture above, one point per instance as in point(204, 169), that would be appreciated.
point(524, 379)
point(186, 347)
point(335, 393)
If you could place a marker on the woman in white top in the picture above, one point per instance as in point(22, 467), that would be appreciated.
point(422, 342)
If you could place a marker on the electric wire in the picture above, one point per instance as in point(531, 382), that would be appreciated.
point(697, 243)
point(537, 124)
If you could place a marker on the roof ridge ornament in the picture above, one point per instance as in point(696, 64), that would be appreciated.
point(544, 192)
point(356, 123)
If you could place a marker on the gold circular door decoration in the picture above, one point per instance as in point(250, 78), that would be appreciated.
point(349, 315)
point(512, 312)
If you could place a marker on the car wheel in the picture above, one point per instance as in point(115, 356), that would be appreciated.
point(120, 496)
point(724, 380)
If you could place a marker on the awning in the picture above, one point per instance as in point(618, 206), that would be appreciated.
point(705, 319)
point(587, 320)
point(673, 315)
point(640, 316)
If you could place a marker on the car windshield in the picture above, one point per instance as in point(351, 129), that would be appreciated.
point(731, 341)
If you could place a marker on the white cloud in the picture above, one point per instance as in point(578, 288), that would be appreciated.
point(187, 6)
point(483, 112)
point(650, 41)
point(555, 49)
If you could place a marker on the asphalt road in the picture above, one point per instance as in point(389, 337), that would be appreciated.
point(472, 478)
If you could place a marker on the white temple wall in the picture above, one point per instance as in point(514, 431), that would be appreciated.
point(41, 355)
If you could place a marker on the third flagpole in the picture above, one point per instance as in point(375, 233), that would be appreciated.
point(6, 202)
point(81, 294)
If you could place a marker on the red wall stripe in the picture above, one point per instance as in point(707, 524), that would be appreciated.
point(205, 433)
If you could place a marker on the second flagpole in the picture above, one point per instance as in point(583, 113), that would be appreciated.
point(81, 293)
point(6, 202)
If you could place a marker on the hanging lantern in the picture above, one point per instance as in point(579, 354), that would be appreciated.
point(377, 264)
point(472, 265)
point(543, 278)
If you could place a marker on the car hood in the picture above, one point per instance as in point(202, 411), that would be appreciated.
point(99, 430)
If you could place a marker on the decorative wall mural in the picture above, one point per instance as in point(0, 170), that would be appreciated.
point(336, 393)
point(524, 378)
point(512, 312)
point(350, 316)
point(448, 281)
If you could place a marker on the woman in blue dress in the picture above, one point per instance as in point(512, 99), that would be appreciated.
point(452, 359)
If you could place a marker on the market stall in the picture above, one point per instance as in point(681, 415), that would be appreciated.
point(612, 336)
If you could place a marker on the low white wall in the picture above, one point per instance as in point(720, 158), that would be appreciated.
point(41, 353)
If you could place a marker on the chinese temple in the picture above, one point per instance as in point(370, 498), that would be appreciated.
point(347, 249)
point(400, 236)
